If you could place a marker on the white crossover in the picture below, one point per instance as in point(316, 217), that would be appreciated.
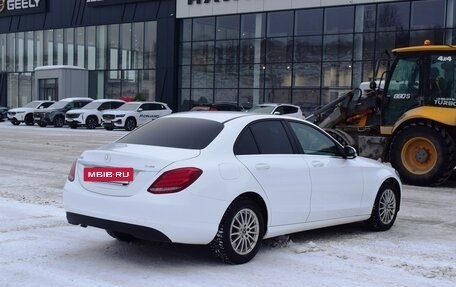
point(227, 179)
point(278, 109)
point(134, 114)
point(25, 114)
point(90, 114)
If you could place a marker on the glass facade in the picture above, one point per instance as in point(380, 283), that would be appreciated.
point(121, 59)
point(305, 57)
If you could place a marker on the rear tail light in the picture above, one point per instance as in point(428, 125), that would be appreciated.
point(175, 180)
point(72, 173)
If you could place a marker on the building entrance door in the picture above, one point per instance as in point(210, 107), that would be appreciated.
point(48, 89)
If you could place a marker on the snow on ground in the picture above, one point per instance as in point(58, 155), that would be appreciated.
point(39, 248)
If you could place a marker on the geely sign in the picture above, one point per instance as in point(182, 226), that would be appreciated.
point(17, 7)
point(190, 2)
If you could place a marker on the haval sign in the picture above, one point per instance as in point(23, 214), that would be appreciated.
point(17, 7)
point(190, 2)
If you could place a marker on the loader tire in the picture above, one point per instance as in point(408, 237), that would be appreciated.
point(423, 153)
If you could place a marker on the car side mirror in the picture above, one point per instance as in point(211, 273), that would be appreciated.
point(277, 113)
point(350, 152)
point(140, 109)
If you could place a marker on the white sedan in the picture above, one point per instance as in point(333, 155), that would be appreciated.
point(228, 180)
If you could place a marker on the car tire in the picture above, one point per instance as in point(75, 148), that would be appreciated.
point(121, 236)
point(15, 122)
point(130, 124)
point(59, 122)
point(41, 124)
point(386, 206)
point(109, 128)
point(240, 233)
point(29, 120)
point(73, 126)
point(91, 122)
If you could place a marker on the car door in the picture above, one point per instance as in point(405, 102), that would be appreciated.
point(337, 182)
point(266, 150)
point(145, 114)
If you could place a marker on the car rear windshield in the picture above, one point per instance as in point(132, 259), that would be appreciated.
point(186, 133)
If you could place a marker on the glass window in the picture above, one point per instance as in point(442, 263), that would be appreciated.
point(113, 46)
point(253, 25)
point(280, 24)
point(80, 47)
point(185, 53)
point(13, 89)
point(19, 52)
point(125, 46)
point(184, 76)
point(278, 76)
point(251, 76)
point(339, 20)
point(307, 99)
point(91, 47)
point(203, 76)
point(308, 48)
point(277, 95)
point(393, 16)
point(252, 51)
point(226, 96)
point(429, 14)
point(226, 52)
point(3, 52)
point(364, 46)
point(25, 88)
point(147, 84)
point(338, 47)
point(184, 100)
point(186, 30)
point(365, 18)
point(138, 45)
point(436, 36)
point(390, 40)
point(279, 50)
point(271, 137)
point(113, 80)
point(58, 47)
point(337, 74)
point(129, 84)
point(203, 29)
point(313, 141)
point(101, 55)
point(309, 22)
point(226, 76)
point(11, 53)
point(245, 144)
point(38, 51)
point(227, 27)
point(68, 53)
point(202, 96)
point(150, 45)
point(307, 75)
point(203, 53)
point(29, 51)
point(249, 97)
point(48, 47)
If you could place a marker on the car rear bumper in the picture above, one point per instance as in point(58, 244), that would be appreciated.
point(141, 232)
point(177, 217)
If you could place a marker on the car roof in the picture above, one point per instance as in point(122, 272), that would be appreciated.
point(275, 105)
point(224, 116)
point(75, 99)
point(108, 100)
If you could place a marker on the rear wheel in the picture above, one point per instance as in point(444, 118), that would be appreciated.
point(423, 154)
point(58, 122)
point(130, 124)
point(240, 233)
point(15, 122)
point(73, 126)
point(121, 236)
point(386, 206)
point(91, 122)
point(42, 124)
point(109, 128)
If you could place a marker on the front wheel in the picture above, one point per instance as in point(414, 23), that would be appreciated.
point(29, 120)
point(91, 122)
point(15, 122)
point(58, 122)
point(240, 233)
point(423, 154)
point(130, 124)
point(386, 206)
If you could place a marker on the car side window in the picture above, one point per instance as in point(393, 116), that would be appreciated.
point(313, 141)
point(156, 107)
point(45, 105)
point(290, 110)
point(104, 106)
point(271, 137)
point(245, 144)
point(144, 107)
point(115, 105)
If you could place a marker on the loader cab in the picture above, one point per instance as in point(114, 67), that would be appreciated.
point(419, 76)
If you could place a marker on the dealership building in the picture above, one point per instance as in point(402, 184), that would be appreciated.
point(183, 52)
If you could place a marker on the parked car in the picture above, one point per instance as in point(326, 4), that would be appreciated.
point(278, 109)
point(90, 114)
point(25, 114)
point(3, 113)
point(55, 114)
point(133, 114)
point(227, 180)
point(216, 107)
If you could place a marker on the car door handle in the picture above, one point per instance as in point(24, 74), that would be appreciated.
point(317, 164)
point(262, 166)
